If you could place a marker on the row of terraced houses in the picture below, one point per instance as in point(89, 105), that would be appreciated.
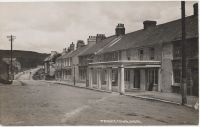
point(147, 60)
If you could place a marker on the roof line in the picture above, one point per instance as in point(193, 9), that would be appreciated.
point(114, 41)
point(163, 24)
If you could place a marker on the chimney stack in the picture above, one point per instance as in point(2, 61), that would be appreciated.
point(100, 37)
point(71, 46)
point(91, 40)
point(195, 7)
point(148, 24)
point(120, 29)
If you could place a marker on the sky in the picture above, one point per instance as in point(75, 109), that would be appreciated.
point(51, 26)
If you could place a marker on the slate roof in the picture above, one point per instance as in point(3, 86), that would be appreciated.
point(99, 45)
point(162, 33)
point(167, 32)
point(75, 52)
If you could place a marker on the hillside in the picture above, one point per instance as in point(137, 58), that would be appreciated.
point(28, 59)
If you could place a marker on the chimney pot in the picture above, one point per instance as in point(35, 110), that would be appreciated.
point(71, 46)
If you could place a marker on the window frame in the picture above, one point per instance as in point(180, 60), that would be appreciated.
point(152, 53)
point(140, 55)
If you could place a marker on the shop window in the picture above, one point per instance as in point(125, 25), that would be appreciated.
point(127, 75)
point(69, 72)
point(114, 75)
point(176, 71)
point(153, 76)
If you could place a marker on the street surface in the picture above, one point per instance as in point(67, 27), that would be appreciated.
point(30, 102)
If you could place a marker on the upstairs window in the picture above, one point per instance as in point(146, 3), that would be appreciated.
point(152, 53)
point(128, 54)
point(177, 75)
point(140, 54)
point(70, 61)
point(177, 50)
point(114, 56)
point(65, 62)
point(193, 49)
point(99, 58)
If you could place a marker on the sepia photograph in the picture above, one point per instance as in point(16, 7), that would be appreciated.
point(99, 63)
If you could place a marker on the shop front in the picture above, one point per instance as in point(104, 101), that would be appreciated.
point(124, 76)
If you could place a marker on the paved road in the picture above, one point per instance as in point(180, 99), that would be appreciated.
point(26, 75)
point(29, 102)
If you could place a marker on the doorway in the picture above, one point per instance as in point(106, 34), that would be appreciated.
point(195, 78)
point(136, 78)
point(152, 80)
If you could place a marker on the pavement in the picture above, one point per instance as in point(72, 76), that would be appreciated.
point(26, 75)
point(164, 97)
point(172, 98)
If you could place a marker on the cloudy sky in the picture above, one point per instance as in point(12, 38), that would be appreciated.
point(47, 26)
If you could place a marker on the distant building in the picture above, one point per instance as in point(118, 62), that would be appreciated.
point(49, 65)
point(86, 57)
point(67, 65)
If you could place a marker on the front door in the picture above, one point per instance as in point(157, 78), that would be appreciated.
point(136, 78)
point(195, 78)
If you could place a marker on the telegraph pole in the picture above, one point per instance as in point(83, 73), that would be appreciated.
point(183, 60)
point(11, 38)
